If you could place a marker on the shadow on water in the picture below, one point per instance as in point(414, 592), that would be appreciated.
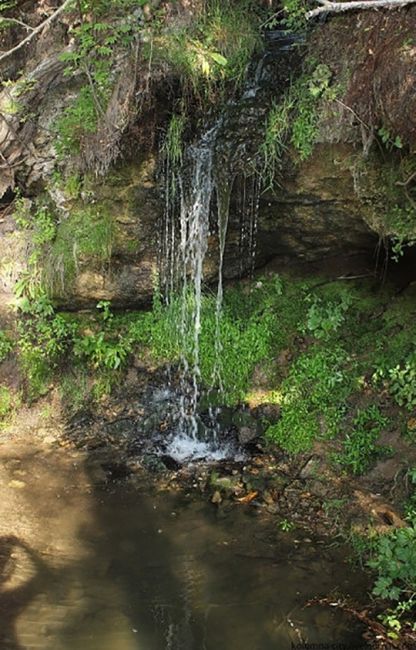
point(133, 568)
point(19, 585)
point(170, 572)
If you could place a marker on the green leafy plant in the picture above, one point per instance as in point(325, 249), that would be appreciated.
point(295, 14)
point(43, 339)
point(325, 318)
point(388, 140)
point(313, 401)
point(394, 561)
point(402, 383)
point(286, 525)
point(6, 345)
point(103, 349)
point(360, 448)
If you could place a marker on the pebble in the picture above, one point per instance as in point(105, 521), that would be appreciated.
point(17, 485)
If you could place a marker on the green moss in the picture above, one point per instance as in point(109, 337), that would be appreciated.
point(86, 233)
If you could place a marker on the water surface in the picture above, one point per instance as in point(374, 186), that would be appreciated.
point(168, 571)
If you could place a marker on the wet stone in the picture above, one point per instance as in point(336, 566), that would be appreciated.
point(267, 411)
point(247, 434)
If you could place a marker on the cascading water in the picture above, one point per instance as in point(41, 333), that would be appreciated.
point(185, 239)
point(198, 192)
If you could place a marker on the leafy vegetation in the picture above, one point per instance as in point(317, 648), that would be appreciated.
point(86, 232)
point(5, 402)
point(313, 398)
point(104, 29)
point(294, 120)
point(295, 15)
point(207, 55)
point(393, 559)
point(360, 448)
point(211, 52)
point(6, 345)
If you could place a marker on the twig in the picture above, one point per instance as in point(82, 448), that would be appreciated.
point(406, 182)
point(37, 30)
point(17, 22)
point(351, 109)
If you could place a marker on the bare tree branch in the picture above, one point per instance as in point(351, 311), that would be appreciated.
point(338, 7)
point(16, 22)
point(38, 29)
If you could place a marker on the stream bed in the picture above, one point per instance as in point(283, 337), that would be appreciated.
point(122, 567)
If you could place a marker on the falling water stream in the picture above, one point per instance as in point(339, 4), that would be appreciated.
point(185, 243)
point(199, 200)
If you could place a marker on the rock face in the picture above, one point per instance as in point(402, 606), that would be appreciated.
point(312, 215)
point(131, 199)
point(314, 212)
point(107, 235)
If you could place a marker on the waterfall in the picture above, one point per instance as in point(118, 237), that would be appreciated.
point(200, 202)
point(194, 231)
point(197, 202)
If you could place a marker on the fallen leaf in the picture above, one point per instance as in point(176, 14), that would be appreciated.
point(248, 498)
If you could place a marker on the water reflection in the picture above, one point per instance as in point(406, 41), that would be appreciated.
point(179, 575)
point(167, 572)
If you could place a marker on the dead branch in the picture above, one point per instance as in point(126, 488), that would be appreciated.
point(405, 183)
point(15, 21)
point(338, 7)
point(37, 30)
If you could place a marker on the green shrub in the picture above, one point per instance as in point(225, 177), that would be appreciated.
point(325, 318)
point(102, 351)
point(402, 383)
point(43, 339)
point(295, 15)
point(360, 448)
point(313, 399)
point(394, 561)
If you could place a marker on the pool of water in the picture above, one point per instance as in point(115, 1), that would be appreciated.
point(168, 571)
